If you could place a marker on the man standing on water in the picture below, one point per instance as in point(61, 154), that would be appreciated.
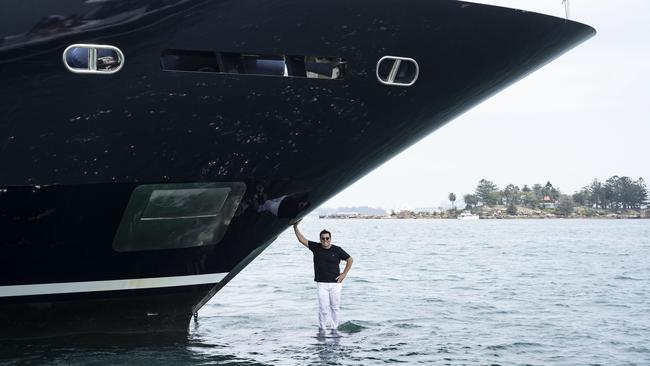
point(327, 275)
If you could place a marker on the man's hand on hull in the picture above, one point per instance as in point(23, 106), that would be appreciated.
point(294, 222)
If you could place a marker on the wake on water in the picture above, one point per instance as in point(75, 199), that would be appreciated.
point(350, 327)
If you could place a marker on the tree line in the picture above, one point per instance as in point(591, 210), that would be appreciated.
point(615, 193)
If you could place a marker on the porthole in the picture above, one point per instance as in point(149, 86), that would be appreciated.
point(397, 71)
point(93, 59)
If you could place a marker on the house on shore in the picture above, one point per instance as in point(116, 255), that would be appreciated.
point(547, 202)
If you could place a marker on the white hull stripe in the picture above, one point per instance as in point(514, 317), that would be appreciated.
point(111, 285)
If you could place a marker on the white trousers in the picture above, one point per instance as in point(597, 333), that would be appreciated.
point(329, 301)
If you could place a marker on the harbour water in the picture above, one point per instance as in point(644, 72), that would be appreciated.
point(440, 292)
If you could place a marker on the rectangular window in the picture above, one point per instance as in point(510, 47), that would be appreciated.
point(166, 204)
point(332, 68)
point(188, 60)
point(181, 215)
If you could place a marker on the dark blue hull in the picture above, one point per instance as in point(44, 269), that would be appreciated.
point(75, 149)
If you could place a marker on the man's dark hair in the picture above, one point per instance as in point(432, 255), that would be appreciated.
point(324, 232)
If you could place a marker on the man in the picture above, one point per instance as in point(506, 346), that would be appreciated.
point(327, 275)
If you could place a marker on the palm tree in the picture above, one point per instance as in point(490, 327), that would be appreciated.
point(452, 198)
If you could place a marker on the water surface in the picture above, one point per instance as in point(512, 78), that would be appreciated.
point(444, 292)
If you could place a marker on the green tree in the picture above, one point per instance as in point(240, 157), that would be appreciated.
point(612, 192)
point(470, 201)
point(550, 191)
point(565, 208)
point(512, 209)
point(452, 198)
point(495, 198)
point(597, 194)
point(511, 194)
point(487, 192)
point(640, 193)
point(537, 191)
point(618, 192)
point(626, 192)
point(582, 197)
point(529, 199)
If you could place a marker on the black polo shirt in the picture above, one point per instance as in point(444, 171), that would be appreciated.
point(326, 261)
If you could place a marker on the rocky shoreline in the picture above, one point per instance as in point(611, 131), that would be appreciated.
point(501, 212)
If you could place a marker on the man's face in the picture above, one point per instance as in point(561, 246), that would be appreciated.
point(325, 241)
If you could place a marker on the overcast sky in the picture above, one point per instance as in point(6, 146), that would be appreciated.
point(584, 116)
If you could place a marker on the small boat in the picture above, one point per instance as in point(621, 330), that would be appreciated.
point(467, 215)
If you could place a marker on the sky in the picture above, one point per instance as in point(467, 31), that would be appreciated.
point(586, 115)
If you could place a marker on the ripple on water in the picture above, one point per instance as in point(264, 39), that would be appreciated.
point(508, 292)
point(628, 278)
point(350, 327)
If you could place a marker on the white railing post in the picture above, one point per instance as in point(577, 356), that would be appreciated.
point(567, 8)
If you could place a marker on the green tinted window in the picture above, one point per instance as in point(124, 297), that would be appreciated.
point(182, 215)
point(185, 203)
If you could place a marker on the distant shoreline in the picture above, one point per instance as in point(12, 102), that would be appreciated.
point(501, 213)
point(482, 218)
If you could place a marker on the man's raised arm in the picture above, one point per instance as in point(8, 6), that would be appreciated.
point(301, 238)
